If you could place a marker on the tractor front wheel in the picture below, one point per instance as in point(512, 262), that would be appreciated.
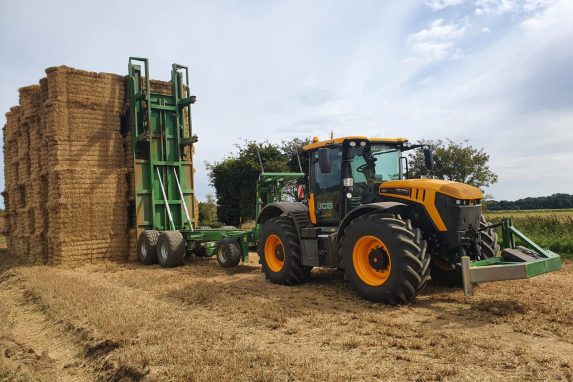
point(384, 258)
point(279, 252)
point(171, 248)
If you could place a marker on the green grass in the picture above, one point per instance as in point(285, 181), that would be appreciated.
point(562, 214)
point(552, 229)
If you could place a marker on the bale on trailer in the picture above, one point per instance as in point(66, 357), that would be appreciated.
point(69, 169)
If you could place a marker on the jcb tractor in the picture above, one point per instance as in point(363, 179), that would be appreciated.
point(389, 234)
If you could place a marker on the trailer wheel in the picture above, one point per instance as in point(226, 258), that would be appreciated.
point(171, 249)
point(384, 258)
point(279, 252)
point(228, 252)
point(450, 275)
point(146, 247)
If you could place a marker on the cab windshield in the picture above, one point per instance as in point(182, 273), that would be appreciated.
point(374, 163)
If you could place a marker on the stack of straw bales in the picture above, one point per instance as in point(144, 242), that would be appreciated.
point(67, 169)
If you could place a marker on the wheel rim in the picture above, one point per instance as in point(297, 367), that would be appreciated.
point(163, 252)
point(274, 253)
point(371, 260)
point(223, 254)
point(143, 250)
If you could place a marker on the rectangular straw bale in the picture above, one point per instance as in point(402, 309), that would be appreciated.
point(103, 90)
point(69, 252)
point(38, 248)
point(105, 154)
point(29, 102)
point(19, 245)
point(69, 170)
point(36, 160)
point(74, 121)
point(93, 186)
point(88, 219)
point(12, 125)
point(3, 224)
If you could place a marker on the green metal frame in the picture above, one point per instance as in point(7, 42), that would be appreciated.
point(163, 167)
point(270, 189)
point(161, 130)
point(497, 269)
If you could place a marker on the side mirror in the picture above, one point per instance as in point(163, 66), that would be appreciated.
point(429, 159)
point(324, 162)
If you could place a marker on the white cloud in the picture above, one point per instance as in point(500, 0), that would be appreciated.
point(534, 5)
point(559, 13)
point(495, 7)
point(437, 5)
point(436, 43)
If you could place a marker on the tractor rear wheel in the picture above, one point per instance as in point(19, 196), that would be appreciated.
point(448, 274)
point(171, 248)
point(228, 253)
point(385, 258)
point(146, 247)
point(279, 252)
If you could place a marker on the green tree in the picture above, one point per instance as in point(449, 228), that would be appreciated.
point(454, 161)
point(235, 177)
point(208, 212)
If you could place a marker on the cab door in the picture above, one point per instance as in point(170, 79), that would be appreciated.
point(325, 188)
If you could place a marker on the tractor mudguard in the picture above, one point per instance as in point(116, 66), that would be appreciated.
point(388, 207)
point(273, 210)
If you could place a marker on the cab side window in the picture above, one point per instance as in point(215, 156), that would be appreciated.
point(327, 187)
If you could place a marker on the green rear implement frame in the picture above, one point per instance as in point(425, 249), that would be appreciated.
point(162, 142)
point(516, 262)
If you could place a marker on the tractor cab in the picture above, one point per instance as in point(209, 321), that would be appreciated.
point(347, 172)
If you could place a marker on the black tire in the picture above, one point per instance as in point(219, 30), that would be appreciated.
point(171, 249)
point(402, 258)
point(146, 247)
point(280, 237)
point(450, 275)
point(228, 253)
point(488, 246)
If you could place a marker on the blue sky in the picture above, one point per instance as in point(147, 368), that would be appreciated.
point(498, 73)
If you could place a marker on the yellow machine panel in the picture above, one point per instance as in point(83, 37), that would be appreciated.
point(423, 191)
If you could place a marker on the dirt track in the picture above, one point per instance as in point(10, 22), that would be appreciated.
point(199, 322)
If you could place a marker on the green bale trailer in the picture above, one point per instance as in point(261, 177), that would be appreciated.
point(162, 145)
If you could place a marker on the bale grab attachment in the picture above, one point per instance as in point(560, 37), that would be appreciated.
point(515, 262)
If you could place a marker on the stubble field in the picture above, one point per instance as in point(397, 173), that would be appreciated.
point(199, 322)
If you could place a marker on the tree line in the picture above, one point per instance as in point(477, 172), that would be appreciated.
point(555, 201)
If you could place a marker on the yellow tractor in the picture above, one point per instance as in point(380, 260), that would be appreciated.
point(388, 233)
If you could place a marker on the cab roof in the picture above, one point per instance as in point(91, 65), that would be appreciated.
point(318, 144)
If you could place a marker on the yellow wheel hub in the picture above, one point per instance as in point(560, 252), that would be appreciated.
point(274, 253)
point(371, 260)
